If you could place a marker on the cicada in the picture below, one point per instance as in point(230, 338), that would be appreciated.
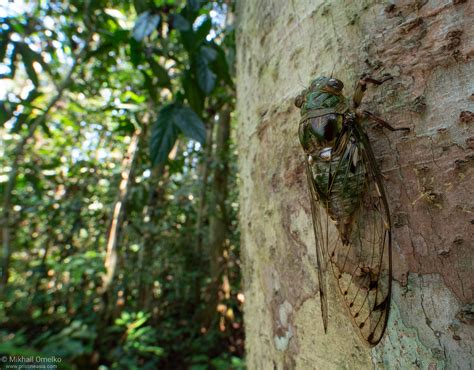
point(351, 217)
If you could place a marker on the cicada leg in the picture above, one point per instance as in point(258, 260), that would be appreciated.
point(362, 87)
point(359, 94)
point(381, 122)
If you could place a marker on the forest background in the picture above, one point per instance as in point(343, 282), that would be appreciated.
point(120, 245)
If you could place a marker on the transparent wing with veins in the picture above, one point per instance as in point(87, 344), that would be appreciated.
point(362, 266)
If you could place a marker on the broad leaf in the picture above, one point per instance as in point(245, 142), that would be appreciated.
point(36, 57)
point(172, 119)
point(189, 40)
point(4, 40)
point(205, 76)
point(6, 111)
point(181, 23)
point(140, 5)
point(208, 53)
point(222, 67)
point(136, 52)
point(160, 72)
point(18, 123)
point(28, 59)
point(145, 24)
point(149, 85)
point(119, 36)
point(194, 5)
point(203, 30)
point(163, 135)
point(192, 93)
point(190, 124)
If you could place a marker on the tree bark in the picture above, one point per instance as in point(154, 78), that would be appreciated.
point(204, 174)
point(146, 272)
point(202, 212)
point(428, 47)
point(116, 220)
point(218, 221)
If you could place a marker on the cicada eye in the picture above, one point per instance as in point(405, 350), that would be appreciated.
point(335, 84)
point(299, 100)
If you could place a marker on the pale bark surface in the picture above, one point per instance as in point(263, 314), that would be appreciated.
point(111, 257)
point(428, 47)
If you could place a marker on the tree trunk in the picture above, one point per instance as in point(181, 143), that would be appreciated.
point(116, 220)
point(204, 170)
point(218, 222)
point(147, 272)
point(428, 47)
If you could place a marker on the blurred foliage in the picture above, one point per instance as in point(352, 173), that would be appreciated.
point(79, 78)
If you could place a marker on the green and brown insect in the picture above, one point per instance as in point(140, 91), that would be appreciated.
point(347, 193)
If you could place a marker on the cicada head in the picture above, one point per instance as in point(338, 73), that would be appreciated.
point(327, 84)
point(323, 93)
point(322, 108)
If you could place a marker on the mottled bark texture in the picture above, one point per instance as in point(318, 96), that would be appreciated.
point(428, 47)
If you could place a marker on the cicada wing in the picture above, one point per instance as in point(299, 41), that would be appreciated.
point(320, 235)
point(362, 264)
point(375, 238)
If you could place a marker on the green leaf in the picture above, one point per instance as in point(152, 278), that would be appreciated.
point(45, 128)
point(18, 123)
point(38, 58)
point(145, 24)
point(181, 23)
point(208, 53)
point(32, 96)
point(192, 93)
point(222, 67)
point(28, 59)
point(140, 5)
point(6, 111)
point(199, 367)
point(136, 52)
point(119, 36)
point(205, 76)
point(101, 49)
point(194, 5)
point(157, 351)
point(172, 119)
point(18, 27)
point(203, 30)
point(149, 85)
point(190, 124)
point(163, 135)
point(189, 41)
point(5, 39)
point(160, 72)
